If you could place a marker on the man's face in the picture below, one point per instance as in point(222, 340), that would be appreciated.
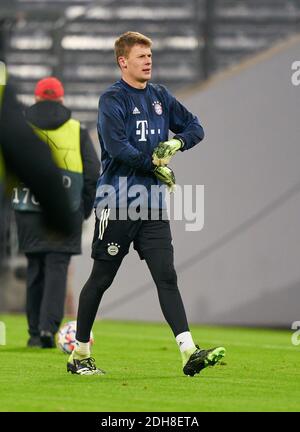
point(137, 66)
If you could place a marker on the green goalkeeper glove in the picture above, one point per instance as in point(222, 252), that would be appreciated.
point(167, 176)
point(164, 151)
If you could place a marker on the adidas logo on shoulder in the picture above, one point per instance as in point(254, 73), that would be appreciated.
point(136, 111)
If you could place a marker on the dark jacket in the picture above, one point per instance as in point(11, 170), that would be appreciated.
point(33, 237)
point(29, 159)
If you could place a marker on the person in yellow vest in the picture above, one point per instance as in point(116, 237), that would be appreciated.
point(24, 156)
point(48, 258)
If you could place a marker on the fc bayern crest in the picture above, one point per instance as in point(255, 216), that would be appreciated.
point(157, 107)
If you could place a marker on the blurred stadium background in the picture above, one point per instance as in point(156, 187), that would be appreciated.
point(230, 62)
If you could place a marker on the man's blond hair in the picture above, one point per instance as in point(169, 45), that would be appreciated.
point(127, 40)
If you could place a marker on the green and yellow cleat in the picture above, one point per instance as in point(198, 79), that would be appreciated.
point(202, 358)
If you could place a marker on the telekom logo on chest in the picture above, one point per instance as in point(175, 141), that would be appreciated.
point(143, 130)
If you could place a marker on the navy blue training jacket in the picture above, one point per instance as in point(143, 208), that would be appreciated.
point(131, 123)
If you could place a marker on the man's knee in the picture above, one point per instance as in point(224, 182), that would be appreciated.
point(105, 281)
point(167, 279)
point(103, 274)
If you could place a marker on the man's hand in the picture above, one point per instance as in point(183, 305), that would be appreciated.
point(164, 151)
point(167, 176)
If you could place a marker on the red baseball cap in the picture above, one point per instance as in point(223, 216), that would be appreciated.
point(49, 88)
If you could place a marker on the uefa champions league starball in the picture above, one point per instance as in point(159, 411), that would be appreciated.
point(66, 337)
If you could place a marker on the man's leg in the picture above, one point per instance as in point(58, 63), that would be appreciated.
point(111, 243)
point(34, 294)
point(52, 307)
point(80, 361)
point(161, 266)
point(101, 278)
point(154, 244)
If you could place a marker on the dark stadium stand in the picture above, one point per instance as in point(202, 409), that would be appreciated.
point(74, 40)
point(244, 27)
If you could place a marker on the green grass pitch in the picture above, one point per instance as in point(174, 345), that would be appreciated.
point(144, 372)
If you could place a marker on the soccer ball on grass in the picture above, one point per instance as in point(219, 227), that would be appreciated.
point(66, 337)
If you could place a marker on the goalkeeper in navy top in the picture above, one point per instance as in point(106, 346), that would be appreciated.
point(133, 125)
point(132, 121)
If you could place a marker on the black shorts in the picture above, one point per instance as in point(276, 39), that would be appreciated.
point(112, 238)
